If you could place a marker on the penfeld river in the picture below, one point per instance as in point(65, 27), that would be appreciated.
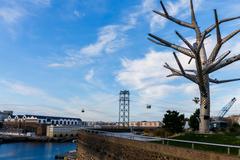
point(33, 151)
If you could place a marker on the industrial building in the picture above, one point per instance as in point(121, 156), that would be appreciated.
point(146, 124)
point(62, 131)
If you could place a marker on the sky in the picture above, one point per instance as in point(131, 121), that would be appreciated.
point(58, 57)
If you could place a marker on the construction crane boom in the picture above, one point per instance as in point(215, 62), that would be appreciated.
point(226, 108)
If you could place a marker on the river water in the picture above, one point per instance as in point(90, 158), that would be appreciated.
point(33, 151)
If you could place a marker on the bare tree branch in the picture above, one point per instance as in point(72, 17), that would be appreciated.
point(215, 63)
point(194, 21)
point(179, 63)
point(190, 60)
point(223, 81)
point(156, 42)
point(225, 63)
point(177, 21)
point(217, 47)
point(228, 37)
point(164, 9)
point(176, 72)
point(173, 46)
point(218, 33)
point(191, 70)
point(209, 29)
point(207, 35)
point(185, 41)
point(214, 52)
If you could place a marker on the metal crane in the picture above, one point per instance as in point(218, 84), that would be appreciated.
point(219, 122)
point(226, 108)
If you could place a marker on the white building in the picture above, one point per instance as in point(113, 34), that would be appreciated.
point(62, 131)
point(49, 120)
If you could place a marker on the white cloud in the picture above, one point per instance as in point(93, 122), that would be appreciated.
point(110, 39)
point(89, 75)
point(141, 73)
point(22, 89)
point(11, 15)
point(147, 77)
point(107, 36)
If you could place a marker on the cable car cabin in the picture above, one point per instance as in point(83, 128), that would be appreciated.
point(149, 106)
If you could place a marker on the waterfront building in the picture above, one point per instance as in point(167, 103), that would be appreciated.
point(62, 131)
point(37, 123)
point(48, 120)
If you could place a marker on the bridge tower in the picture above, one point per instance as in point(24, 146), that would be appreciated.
point(124, 103)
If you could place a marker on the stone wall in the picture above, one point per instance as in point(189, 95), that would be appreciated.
point(96, 147)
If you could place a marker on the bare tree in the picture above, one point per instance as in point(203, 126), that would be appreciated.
point(204, 65)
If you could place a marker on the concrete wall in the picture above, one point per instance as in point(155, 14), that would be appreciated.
point(95, 147)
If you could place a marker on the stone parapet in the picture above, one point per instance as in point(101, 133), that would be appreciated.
point(96, 147)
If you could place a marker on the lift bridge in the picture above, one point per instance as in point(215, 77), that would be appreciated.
point(218, 122)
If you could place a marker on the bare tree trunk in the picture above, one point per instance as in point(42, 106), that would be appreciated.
point(205, 109)
point(204, 96)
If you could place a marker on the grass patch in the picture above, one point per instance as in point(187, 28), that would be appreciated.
point(209, 138)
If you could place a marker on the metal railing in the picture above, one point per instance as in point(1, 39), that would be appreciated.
point(163, 140)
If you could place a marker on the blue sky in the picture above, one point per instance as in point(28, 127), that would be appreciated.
point(59, 57)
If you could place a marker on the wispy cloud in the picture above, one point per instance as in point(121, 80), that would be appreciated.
point(40, 2)
point(113, 37)
point(13, 12)
point(110, 39)
point(22, 89)
point(97, 106)
point(89, 76)
point(11, 15)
